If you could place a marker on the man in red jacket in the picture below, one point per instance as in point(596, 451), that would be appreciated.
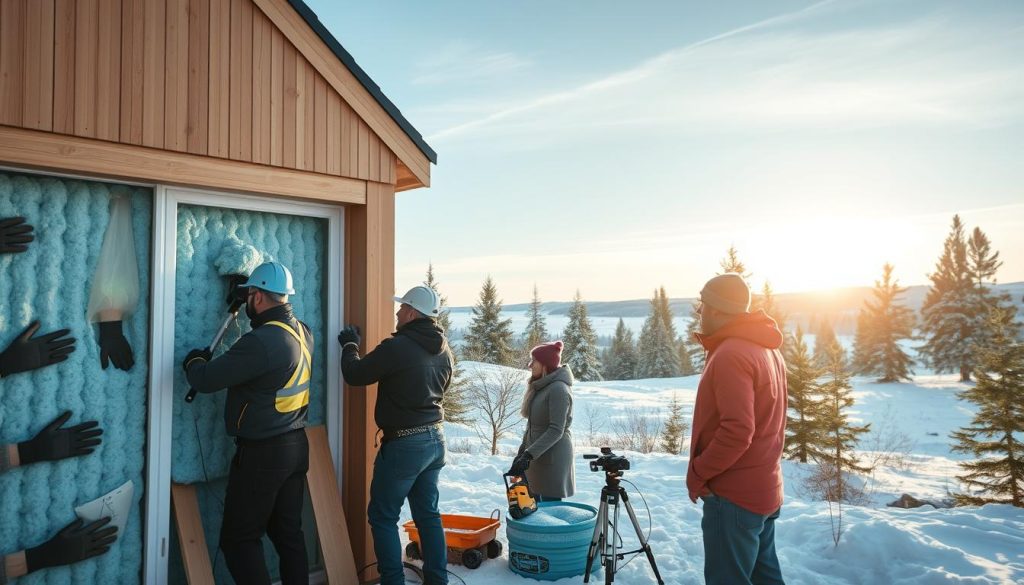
point(739, 429)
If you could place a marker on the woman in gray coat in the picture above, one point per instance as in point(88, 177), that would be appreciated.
point(546, 455)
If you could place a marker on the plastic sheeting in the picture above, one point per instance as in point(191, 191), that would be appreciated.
point(51, 282)
point(115, 282)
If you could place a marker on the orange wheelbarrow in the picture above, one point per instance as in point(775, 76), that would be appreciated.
point(470, 539)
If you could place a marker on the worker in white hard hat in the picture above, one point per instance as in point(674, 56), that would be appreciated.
point(412, 369)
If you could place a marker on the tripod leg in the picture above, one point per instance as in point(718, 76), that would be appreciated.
point(640, 535)
point(596, 541)
point(612, 561)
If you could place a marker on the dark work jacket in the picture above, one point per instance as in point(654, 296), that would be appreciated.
point(413, 369)
point(253, 370)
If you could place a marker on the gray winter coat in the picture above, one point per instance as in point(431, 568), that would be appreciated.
point(547, 435)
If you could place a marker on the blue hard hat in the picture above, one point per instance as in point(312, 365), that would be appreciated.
point(271, 277)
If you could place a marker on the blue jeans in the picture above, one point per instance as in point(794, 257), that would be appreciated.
point(739, 545)
point(408, 467)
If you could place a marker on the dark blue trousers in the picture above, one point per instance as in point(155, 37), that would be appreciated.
point(739, 545)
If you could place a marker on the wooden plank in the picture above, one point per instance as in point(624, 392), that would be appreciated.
point(189, 523)
point(153, 84)
point(132, 64)
point(108, 71)
point(69, 154)
point(346, 144)
point(333, 132)
point(235, 82)
point(86, 57)
point(330, 515)
point(344, 82)
point(277, 43)
point(197, 127)
point(374, 153)
point(244, 102)
point(386, 164)
point(37, 94)
point(220, 78)
point(12, 59)
point(369, 285)
point(309, 132)
point(291, 98)
point(176, 80)
point(261, 87)
point(363, 170)
point(300, 112)
point(64, 67)
point(320, 124)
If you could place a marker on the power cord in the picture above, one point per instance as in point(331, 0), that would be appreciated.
point(650, 523)
point(206, 477)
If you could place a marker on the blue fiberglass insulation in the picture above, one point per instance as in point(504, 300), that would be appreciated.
point(51, 282)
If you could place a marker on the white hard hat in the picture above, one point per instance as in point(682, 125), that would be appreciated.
point(422, 298)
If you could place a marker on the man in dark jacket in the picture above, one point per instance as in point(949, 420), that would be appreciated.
point(739, 429)
point(267, 373)
point(412, 369)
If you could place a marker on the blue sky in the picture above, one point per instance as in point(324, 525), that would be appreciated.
point(613, 147)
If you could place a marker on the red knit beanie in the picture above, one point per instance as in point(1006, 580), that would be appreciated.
point(548, 354)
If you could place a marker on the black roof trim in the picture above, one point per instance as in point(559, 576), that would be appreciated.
point(346, 58)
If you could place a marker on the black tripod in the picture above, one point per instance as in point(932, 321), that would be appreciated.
point(606, 531)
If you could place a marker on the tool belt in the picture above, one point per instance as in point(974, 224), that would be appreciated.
point(391, 435)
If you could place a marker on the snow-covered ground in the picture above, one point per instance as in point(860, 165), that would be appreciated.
point(878, 544)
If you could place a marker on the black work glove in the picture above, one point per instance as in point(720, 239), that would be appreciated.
point(520, 464)
point(235, 294)
point(72, 544)
point(54, 443)
point(350, 334)
point(202, 355)
point(114, 347)
point(15, 235)
point(30, 353)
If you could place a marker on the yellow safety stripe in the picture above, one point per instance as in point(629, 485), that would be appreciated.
point(300, 377)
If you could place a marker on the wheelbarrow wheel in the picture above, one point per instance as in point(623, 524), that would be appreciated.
point(412, 550)
point(472, 558)
point(494, 549)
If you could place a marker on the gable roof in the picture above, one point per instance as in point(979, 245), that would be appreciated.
point(349, 62)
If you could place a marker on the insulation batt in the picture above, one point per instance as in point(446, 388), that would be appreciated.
point(51, 282)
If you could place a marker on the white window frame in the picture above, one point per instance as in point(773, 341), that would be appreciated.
point(161, 383)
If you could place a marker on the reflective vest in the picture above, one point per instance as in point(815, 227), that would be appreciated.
point(295, 393)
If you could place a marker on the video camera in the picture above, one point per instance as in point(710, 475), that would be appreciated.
point(607, 461)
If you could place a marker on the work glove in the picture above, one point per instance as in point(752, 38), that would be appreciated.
point(54, 443)
point(235, 294)
point(520, 464)
point(15, 235)
point(350, 334)
point(114, 347)
point(196, 355)
point(30, 353)
point(76, 542)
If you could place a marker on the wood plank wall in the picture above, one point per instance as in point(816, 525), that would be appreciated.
point(207, 77)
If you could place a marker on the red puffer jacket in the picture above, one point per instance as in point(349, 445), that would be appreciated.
point(739, 419)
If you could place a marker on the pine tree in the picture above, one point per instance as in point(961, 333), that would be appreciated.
point(686, 367)
point(674, 430)
point(947, 315)
point(732, 263)
point(536, 328)
point(996, 433)
point(580, 343)
point(805, 436)
point(766, 302)
point(658, 355)
point(620, 358)
point(693, 347)
point(825, 343)
point(489, 337)
point(982, 264)
point(881, 324)
point(837, 398)
point(455, 400)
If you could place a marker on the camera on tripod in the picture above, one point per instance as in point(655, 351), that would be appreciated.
point(607, 461)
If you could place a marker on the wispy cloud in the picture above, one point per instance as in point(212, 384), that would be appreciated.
point(780, 73)
point(464, 62)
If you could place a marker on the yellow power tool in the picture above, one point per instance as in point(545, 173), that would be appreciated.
point(521, 502)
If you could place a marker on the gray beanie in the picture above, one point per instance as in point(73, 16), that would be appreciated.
point(728, 293)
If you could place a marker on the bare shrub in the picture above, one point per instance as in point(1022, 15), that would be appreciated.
point(498, 399)
point(888, 445)
point(463, 446)
point(827, 482)
point(636, 430)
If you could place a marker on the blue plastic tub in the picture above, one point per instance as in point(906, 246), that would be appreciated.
point(551, 543)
